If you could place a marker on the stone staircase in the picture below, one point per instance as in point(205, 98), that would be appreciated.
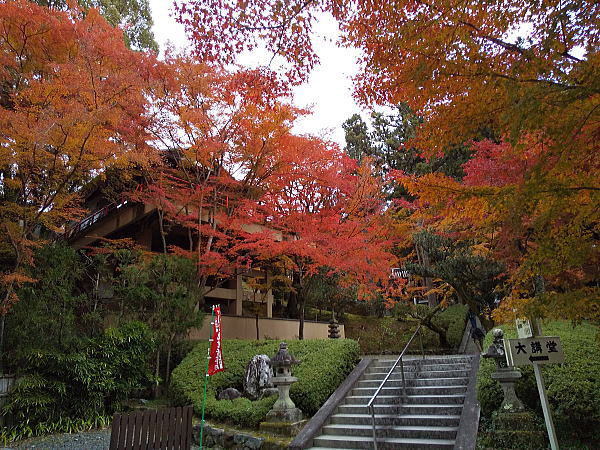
point(428, 418)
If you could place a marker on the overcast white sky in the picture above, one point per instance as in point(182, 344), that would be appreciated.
point(328, 91)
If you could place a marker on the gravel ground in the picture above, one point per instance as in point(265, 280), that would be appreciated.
point(88, 440)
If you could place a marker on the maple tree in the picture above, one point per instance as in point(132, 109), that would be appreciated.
point(544, 233)
point(222, 137)
point(245, 190)
point(526, 70)
point(132, 16)
point(463, 65)
point(71, 105)
point(330, 213)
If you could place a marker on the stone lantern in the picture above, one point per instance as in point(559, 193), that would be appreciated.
point(512, 425)
point(506, 375)
point(284, 417)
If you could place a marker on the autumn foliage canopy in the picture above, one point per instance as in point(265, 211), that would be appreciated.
point(515, 82)
point(211, 149)
point(523, 72)
point(71, 104)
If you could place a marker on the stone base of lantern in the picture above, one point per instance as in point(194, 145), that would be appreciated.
point(290, 415)
point(282, 428)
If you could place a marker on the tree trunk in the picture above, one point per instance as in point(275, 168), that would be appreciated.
point(168, 372)
point(156, 374)
point(467, 299)
point(423, 259)
point(439, 331)
point(293, 298)
point(161, 228)
point(428, 323)
point(291, 310)
point(257, 330)
point(2, 319)
point(301, 326)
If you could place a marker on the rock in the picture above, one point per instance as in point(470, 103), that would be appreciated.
point(239, 440)
point(211, 436)
point(229, 394)
point(228, 440)
point(268, 392)
point(258, 376)
point(253, 443)
point(196, 434)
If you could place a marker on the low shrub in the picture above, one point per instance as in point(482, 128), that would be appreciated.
point(386, 335)
point(325, 364)
point(453, 319)
point(69, 391)
point(390, 334)
point(573, 387)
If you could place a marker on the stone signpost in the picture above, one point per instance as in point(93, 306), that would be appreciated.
point(534, 351)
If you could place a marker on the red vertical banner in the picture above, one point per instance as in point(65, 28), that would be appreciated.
point(215, 363)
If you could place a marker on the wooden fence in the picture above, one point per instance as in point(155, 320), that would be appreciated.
point(169, 428)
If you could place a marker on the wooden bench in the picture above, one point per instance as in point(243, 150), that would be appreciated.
point(152, 430)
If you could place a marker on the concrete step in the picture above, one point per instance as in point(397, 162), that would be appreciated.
point(385, 369)
point(366, 442)
point(446, 366)
point(413, 431)
point(436, 390)
point(433, 409)
point(458, 399)
point(442, 420)
point(364, 399)
point(412, 390)
point(396, 380)
point(370, 390)
point(381, 373)
point(409, 399)
point(451, 381)
point(393, 383)
point(449, 359)
point(441, 373)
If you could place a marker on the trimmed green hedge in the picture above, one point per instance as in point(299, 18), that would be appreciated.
point(573, 387)
point(389, 335)
point(325, 364)
point(380, 335)
point(453, 319)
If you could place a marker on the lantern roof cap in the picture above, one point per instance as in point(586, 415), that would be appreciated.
point(283, 357)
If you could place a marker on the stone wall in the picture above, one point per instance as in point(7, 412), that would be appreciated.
point(235, 327)
point(219, 438)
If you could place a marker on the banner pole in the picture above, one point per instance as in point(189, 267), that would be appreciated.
point(212, 315)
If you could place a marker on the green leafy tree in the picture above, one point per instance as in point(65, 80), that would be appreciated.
point(162, 291)
point(133, 16)
point(473, 277)
point(71, 372)
point(67, 391)
point(52, 310)
point(388, 144)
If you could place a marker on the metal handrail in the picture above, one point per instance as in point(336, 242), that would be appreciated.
point(371, 405)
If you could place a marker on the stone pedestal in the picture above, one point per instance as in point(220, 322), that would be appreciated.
point(507, 377)
point(513, 430)
point(282, 428)
point(284, 409)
